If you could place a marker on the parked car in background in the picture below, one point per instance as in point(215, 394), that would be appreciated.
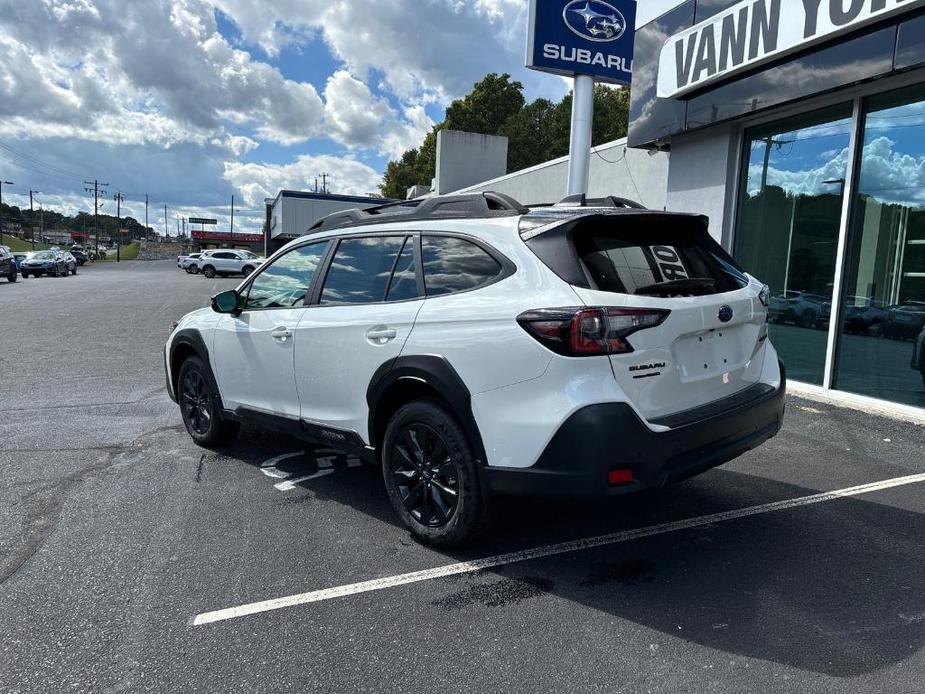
point(79, 255)
point(864, 315)
point(190, 263)
point(70, 262)
point(8, 267)
point(40, 263)
point(800, 308)
point(904, 321)
point(228, 261)
point(20, 256)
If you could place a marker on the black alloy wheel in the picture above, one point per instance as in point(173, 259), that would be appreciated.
point(200, 406)
point(196, 401)
point(425, 475)
point(432, 475)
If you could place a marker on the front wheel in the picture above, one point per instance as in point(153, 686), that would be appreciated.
point(200, 406)
point(25, 275)
point(247, 270)
point(431, 475)
point(12, 276)
point(74, 271)
point(208, 271)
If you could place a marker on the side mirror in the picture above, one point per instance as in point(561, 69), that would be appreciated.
point(226, 302)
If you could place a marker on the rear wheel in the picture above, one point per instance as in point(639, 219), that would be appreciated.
point(200, 406)
point(247, 270)
point(431, 475)
point(25, 275)
point(74, 271)
point(208, 271)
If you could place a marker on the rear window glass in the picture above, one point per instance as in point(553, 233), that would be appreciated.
point(361, 270)
point(656, 260)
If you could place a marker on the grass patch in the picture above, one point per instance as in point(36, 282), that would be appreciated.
point(19, 246)
point(128, 252)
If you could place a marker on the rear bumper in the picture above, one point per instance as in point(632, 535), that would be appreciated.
point(599, 438)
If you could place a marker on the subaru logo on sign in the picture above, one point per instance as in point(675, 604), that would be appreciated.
point(594, 20)
point(725, 314)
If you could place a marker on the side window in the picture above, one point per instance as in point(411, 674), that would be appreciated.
point(404, 284)
point(285, 282)
point(360, 270)
point(455, 265)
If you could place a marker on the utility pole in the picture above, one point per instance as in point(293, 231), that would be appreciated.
point(316, 184)
point(2, 183)
point(146, 218)
point(96, 207)
point(232, 214)
point(166, 233)
point(32, 219)
point(118, 197)
point(324, 183)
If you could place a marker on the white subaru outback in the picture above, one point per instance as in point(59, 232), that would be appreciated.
point(474, 347)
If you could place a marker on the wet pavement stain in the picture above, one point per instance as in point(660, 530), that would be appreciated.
point(507, 591)
point(628, 573)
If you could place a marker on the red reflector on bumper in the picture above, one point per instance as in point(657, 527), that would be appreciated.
point(621, 475)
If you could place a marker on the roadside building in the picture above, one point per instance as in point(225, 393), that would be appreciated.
point(292, 212)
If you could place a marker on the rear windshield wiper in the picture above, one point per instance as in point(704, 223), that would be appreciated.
point(689, 285)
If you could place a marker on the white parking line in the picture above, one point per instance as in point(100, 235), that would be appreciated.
point(545, 551)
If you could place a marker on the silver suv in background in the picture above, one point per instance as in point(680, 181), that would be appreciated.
point(228, 261)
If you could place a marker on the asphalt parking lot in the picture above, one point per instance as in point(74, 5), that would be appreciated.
point(133, 561)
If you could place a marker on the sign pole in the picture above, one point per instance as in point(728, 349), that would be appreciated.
point(579, 162)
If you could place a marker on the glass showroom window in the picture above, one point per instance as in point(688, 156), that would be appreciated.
point(788, 225)
point(884, 297)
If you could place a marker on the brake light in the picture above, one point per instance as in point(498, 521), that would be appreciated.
point(581, 332)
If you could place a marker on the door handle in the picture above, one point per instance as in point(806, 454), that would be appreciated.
point(381, 334)
point(281, 334)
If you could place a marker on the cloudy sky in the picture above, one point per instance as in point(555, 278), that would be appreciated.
point(192, 101)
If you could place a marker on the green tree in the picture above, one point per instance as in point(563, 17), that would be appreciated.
point(536, 132)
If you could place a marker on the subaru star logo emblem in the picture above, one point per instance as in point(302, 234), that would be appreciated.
point(725, 314)
point(594, 20)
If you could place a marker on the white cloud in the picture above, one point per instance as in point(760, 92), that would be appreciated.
point(887, 175)
point(260, 181)
point(357, 119)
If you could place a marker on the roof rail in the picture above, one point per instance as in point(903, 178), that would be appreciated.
point(470, 205)
point(581, 200)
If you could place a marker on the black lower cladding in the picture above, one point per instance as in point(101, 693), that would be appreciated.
point(600, 438)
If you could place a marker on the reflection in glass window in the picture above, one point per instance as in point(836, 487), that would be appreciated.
point(404, 280)
point(788, 225)
point(884, 298)
point(360, 270)
point(455, 265)
point(285, 283)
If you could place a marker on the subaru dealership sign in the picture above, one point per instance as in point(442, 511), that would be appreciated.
point(583, 37)
point(753, 32)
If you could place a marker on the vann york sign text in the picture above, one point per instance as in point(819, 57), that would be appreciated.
point(756, 31)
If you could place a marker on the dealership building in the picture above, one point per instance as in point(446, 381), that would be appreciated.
point(798, 127)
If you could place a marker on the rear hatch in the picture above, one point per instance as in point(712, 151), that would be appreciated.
point(710, 343)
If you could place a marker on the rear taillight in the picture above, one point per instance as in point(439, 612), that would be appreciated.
point(582, 332)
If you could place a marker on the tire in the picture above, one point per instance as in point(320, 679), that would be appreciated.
point(25, 275)
point(441, 504)
point(200, 406)
point(13, 276)
point(74, 271)
point(247, 270)
point(808, 319)
point(208, 271)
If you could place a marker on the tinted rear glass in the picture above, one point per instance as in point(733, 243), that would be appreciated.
point(361, 269)
point(644, 255)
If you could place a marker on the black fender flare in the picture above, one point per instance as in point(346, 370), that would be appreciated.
point(188, 339)
point(439, 375)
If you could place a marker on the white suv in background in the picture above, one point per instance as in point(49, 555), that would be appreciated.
point(228, 261)
point(472, 347)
